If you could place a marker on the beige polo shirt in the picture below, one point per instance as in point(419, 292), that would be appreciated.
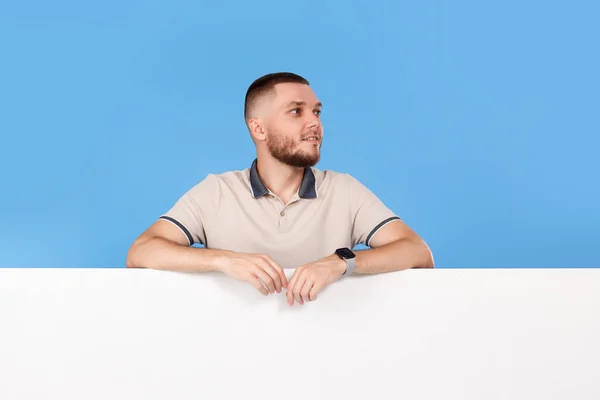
point(235, 211)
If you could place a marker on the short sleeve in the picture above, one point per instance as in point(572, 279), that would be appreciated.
point(192, 211)
point(369, 212)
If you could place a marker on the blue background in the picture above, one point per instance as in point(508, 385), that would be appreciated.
point(475, 122)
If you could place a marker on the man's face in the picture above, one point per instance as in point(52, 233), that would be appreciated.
point(293, 129)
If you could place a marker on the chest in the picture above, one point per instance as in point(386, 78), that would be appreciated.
point(296, 233)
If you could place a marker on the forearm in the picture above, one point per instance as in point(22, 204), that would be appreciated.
point(162, 254)
point(399, 255)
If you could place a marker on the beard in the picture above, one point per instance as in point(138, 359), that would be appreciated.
point(282, 149)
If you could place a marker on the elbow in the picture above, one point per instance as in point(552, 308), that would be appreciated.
point(131, 260)
point(426, 259)
point(134, 255)
point(429, 262)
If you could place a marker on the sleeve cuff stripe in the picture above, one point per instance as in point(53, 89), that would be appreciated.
point(183, 228)
point(378, 227)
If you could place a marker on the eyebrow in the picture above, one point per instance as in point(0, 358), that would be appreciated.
point(301, 103)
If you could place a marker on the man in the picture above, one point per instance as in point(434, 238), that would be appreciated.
point(281, 212)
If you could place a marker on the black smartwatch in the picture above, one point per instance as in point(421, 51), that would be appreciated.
point(346, 254)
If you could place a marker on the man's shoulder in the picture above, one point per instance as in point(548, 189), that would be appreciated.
point(334, 176)
point(215, 180)
point(231, 174)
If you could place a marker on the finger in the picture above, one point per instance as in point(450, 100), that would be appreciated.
point(291, 286)
point(269, 269)
point(259, 286)
point(294, 277)
point(279, 270)
point(316, 289)
point(265, 278)
point(308, 285)
point(297, 288)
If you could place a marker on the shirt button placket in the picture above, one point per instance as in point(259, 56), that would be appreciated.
point(282, 222)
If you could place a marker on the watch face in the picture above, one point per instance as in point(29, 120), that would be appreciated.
point(345, 253)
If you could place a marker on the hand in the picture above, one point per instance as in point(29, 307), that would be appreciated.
point(257, 269)
point(309, 279)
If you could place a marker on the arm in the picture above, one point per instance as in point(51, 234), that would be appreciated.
point(394, 247)
point(392, 244)
point(164, 246)
point(167, 244)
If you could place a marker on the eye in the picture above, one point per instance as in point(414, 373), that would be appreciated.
point(318, 112)
point(295, 111)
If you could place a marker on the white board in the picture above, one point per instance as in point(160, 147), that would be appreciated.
point(420, 334)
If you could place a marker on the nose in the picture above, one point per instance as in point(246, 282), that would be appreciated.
point(313, 121)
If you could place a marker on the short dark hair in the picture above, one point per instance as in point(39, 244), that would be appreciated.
point(264, 85)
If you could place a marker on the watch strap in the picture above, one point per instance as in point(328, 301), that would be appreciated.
point(350, 266)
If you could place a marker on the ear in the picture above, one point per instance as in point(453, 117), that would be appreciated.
point(256, 129)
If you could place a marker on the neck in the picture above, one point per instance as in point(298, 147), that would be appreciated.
point(281, 179)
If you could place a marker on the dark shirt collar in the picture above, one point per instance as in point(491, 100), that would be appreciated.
point(308, 189)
